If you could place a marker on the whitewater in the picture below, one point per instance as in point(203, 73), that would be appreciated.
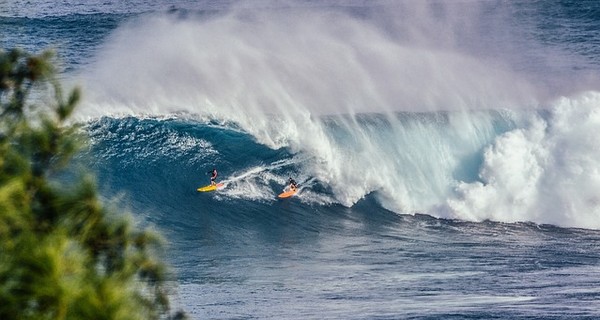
point(446, 151)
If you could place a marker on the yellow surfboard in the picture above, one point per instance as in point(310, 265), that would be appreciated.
point(211, 187)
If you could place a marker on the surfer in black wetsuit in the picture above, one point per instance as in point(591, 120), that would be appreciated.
point(293, 184)
point(213, 176)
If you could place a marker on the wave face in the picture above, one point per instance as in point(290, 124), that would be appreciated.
point(485, 165)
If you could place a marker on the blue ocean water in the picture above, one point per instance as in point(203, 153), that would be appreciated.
point(446, 151)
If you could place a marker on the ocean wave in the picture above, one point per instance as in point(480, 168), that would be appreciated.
point(534, 165)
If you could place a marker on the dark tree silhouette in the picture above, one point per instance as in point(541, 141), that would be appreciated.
point(63, 254)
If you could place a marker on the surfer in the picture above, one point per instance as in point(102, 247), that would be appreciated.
point(213, 176)
point(293, 184)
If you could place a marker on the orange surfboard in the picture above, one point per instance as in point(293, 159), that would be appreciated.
point(287, 193)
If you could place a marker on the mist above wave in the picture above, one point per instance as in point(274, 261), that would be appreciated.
point(315, 60)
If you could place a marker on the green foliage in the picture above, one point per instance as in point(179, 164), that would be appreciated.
point(63, 255)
